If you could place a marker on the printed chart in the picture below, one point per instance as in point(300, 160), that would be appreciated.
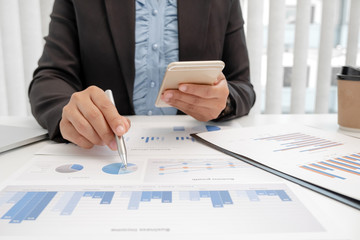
point(239, 209)
point(63, 170)
point(300, 142)
point(194, 166)
point(29, 205)
point(69, 168)
point(143, 139)
point(118, 168)
point(338, 167)
point(173, 139)
point(326, 159)
point(205, 169)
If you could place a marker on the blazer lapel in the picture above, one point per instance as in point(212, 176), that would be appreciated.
point(193, 16)
point(121, 16)
point(193, 23)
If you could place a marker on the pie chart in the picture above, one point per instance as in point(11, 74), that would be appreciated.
point(69, 168)
point(118, 169)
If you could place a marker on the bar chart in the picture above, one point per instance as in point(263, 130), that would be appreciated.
point(27, 206)
point(202, 128)
point(336, 168)
point(299, 141)
point(253, 207)
point(159, 139)
point(170, 139)
point(323, 158)
point(178, 133)
point(151, 139)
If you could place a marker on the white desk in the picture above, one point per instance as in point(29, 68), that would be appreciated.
point(346, 217)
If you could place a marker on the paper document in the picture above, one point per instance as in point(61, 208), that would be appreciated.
point(172, 189)
point(326, 159)
point(175, 210)
point(170, 138)
point(156, 197)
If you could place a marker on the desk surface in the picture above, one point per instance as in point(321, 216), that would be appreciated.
point(346, 217)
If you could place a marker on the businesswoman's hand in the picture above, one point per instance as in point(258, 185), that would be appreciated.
point(203, 102)
point(91, 119)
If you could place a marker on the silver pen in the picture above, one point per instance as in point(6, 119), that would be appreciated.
point(119, 140)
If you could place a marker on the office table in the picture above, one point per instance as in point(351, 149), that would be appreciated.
point(345, 217)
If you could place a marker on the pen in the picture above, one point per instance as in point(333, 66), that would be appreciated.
point(119, 140)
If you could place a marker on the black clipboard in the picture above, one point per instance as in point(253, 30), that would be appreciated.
point(324, 191)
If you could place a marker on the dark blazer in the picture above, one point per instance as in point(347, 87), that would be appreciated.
point(92, 42)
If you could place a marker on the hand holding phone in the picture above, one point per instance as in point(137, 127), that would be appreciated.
point(196, 72)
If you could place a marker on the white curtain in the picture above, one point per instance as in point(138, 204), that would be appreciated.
point(24, 23)
point(268, 24)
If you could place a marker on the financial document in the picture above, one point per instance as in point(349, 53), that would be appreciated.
point(326, 159)
point(172, 188)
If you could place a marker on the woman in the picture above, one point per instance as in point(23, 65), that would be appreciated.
point(125, 46)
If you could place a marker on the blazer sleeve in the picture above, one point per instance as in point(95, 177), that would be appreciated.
point(58, 74)
point(237, 72)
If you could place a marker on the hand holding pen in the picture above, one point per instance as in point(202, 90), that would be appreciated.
point(89, 119)
point(119, 140)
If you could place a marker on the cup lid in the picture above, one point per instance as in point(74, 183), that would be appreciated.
point(349, 73)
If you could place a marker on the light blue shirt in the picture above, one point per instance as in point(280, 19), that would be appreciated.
point(156, 45)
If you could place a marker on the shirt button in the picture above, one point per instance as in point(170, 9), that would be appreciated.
point(154, 12)
point(149, 113)
point(152, 84)
point(155, 46)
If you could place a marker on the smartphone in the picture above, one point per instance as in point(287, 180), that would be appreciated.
point(198, 72)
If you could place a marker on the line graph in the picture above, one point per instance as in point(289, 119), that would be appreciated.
point(191, 166)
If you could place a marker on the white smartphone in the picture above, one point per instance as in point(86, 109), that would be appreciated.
point(198, 72)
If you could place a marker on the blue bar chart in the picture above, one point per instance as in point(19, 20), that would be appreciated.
point(88, 210)
point(299, 141)
point(152, 139)
point(185, 138)
point(172, 138)
point(158, 139)
point(178, 133)
point(336, 168)
point(209, 128)
point(27, 206)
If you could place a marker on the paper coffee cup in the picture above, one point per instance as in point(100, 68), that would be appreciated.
point(349, 99)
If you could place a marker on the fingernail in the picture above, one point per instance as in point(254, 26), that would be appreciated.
point(120, 130)
point(113, 145)
point(182, 88)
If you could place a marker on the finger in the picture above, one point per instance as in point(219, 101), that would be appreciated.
point(203, 91)
point(206, 91)
point(82, 126)
point(128, 122)
point(173, 96)
point(118, 124)
point(96, 119)
point(69, 133)
point(198, 112)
